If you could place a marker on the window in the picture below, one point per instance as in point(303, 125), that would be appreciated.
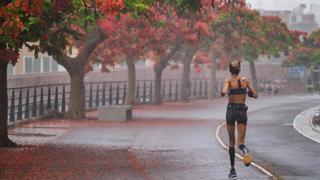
point(10, 69)
point(28, 67)
point(54, 66)
point(46, 64)
point(37, 65)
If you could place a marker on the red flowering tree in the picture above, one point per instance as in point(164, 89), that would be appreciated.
point(270, 37)
point(127, 37)
point(247, 35)
point(18, 20)
point(77, 26)
point(198, 35)
point(166, 41)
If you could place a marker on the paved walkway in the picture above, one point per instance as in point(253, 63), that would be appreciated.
point(174, 141)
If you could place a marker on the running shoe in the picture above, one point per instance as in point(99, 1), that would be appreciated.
point(232, 173)
point(247, 159)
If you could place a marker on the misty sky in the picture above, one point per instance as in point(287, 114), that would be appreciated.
point(280, 4)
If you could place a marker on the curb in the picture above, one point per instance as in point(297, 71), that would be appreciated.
point(303, 124)
point(225, 147)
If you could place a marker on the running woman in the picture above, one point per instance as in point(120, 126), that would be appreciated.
point(237, 88)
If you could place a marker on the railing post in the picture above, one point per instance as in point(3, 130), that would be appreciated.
point(189, 88)
point(41, 102)
point(19, 116)
point(177, 91)
point(110, 94)
point(97, 96)
point(34, 103)
point(49, 98)
point(206, 89)
point(56, 100)
point(117, 94)
point(163, 90)
point(27, 107)
point(144, 91)
point(63, 103)
point(170, 90)
point(200, 89)
point(124, 93)
point(104, 94)
point(12, 107)
point(195, 89)
point(151, 91)
point(90, 96)
point(138, 90)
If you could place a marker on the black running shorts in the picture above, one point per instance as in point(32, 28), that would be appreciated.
point(236, 112)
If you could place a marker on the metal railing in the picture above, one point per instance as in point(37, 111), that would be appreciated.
point(36, 101)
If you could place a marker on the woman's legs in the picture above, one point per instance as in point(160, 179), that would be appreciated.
point(241, 133)
point(241, 139)
point(231, 132)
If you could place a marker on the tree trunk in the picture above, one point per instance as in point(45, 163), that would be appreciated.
point(157, 86)
point(77, 93)
point(4, 139)
point(131, 86)
point(253, 74)
point(185, 85)
point(213, 77)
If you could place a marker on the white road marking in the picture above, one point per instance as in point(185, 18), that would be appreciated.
point(288, 124)
point(238, 155)
point(303, 124)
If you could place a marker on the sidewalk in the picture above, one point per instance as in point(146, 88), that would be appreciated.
point(173, 141)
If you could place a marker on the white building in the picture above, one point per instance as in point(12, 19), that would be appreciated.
point(315, 9)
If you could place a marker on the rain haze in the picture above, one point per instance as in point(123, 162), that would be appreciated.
point(280, 4)
point(159, 89)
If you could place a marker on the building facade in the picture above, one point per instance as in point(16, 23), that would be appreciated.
point(28, 64)
point(297, 19)
point(315, 9)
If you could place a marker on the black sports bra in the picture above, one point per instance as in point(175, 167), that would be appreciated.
point(238, 91)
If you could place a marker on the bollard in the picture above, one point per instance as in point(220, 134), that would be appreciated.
point(27, 107)
point(19, 116)
point(12, 107)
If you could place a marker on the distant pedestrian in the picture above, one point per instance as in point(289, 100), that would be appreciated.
point(236, 87)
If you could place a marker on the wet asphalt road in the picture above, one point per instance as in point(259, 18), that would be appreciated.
point(277, 146)
point(174, 141)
